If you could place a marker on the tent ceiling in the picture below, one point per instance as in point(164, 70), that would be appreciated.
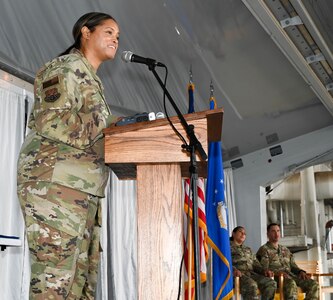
point(268, 91)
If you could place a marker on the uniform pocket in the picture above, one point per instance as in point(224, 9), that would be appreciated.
point(55, 219)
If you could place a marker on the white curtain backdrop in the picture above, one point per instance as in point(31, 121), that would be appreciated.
point(14, 270)
point(230, 198)
point(119, 230)
point(118, 259)
point(120, 237)
point(120, 256)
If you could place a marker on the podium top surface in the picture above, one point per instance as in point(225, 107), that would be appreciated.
point(214, 116)
point(155, 142)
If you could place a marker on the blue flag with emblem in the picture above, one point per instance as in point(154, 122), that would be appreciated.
point(217, 221)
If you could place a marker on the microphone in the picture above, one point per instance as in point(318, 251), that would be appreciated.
point(128, 56)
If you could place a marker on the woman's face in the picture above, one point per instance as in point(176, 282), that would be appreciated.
point(102, 43)
point(239, 236)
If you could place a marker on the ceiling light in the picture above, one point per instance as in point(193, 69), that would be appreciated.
point(263, 12)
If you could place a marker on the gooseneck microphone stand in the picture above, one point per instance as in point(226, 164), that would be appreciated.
point(193, 147)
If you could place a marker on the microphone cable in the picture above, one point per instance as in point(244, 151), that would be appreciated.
point(185, 144)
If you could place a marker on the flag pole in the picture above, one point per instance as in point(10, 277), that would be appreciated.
point(195, 227)
point(193, 147)
point(190, 223)
point(189, 256)
point(212, 105)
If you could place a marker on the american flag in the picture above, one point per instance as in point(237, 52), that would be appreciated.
point(188, 237)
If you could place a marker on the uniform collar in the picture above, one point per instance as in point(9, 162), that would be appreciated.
point(88, 64)
point(236, 245)
point(270, 245)
point(79, 53)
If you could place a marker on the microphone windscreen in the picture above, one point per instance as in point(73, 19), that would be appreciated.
point(126, 56)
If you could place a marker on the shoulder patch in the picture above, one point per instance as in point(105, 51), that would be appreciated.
point(53, 89)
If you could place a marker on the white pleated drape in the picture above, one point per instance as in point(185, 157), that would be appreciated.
point(14, 261)
point(230, 198)
point(117, 276)
point(121, 232)
point(118, 261)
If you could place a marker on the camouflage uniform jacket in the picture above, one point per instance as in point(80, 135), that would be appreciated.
point(244, 260)
point(66, 144)
point(277, 259)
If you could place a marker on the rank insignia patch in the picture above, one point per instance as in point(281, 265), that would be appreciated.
point(52, 95)
point(52, 81)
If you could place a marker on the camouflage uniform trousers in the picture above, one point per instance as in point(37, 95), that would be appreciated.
point(63, 237)
point(250, 282)
point(309, 287)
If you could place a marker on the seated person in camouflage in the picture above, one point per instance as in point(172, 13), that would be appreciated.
point(280, 260)
point(247, 267)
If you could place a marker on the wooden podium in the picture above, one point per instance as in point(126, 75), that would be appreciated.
point(151, 153)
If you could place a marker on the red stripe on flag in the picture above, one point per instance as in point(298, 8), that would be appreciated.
point(203, 248)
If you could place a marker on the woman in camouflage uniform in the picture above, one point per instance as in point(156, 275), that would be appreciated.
point(61, 170)
point(247, 267)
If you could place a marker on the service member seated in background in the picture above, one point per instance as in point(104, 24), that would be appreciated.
point(279, 259)
point(247, 267)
